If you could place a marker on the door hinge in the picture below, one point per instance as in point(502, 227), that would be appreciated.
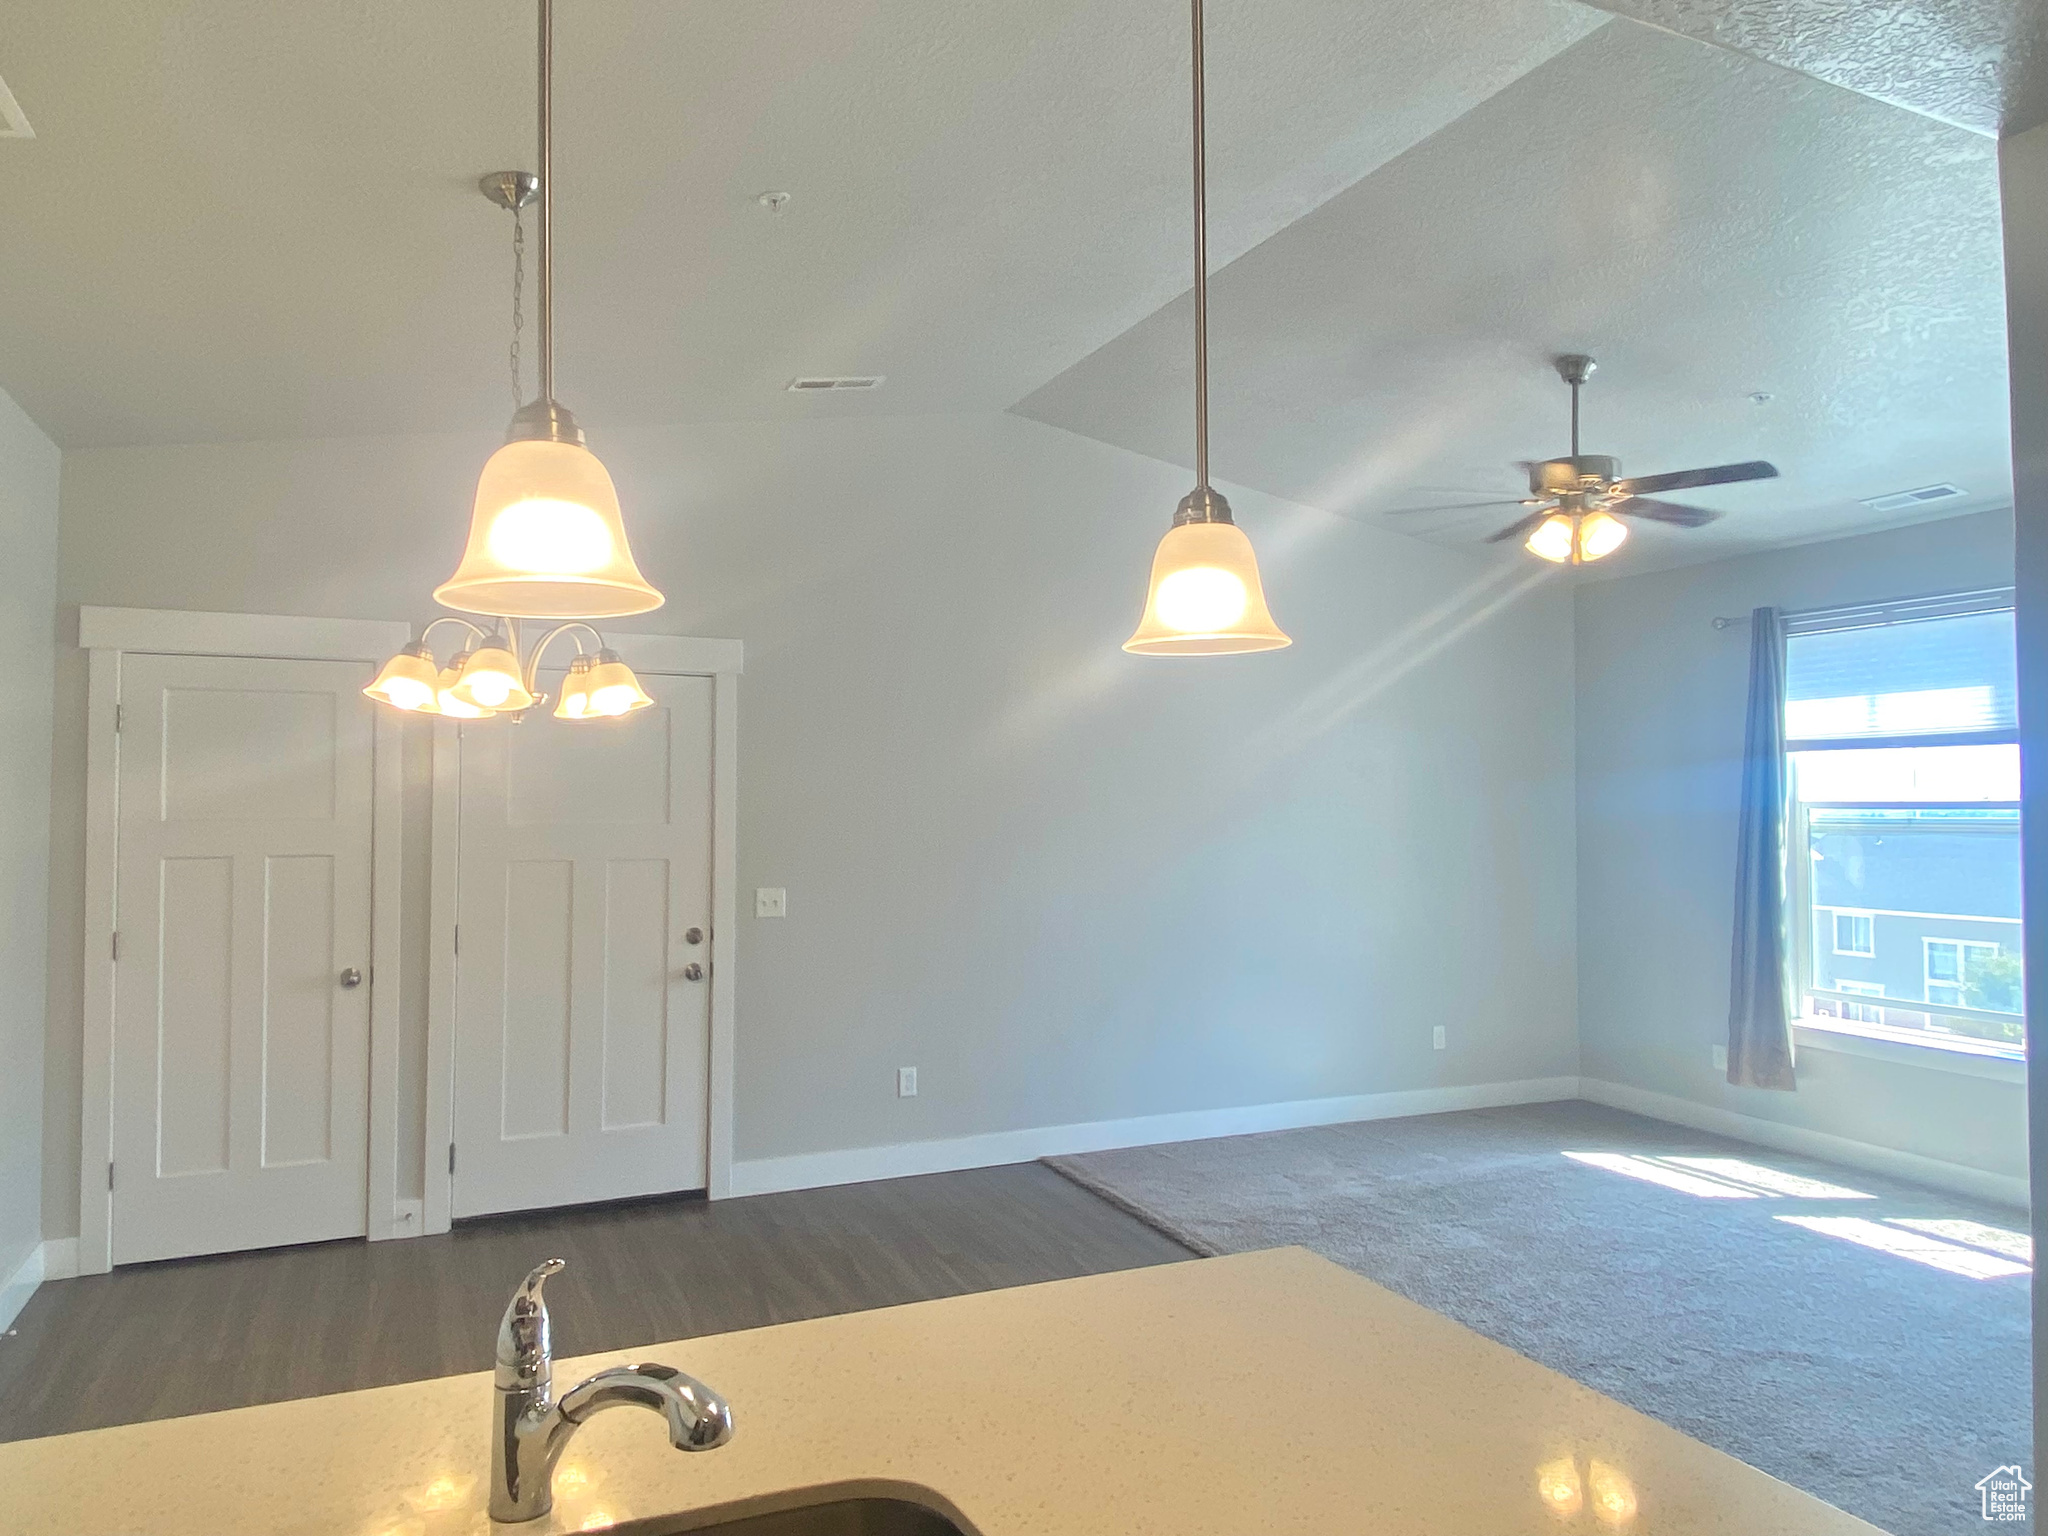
point(117, 719)
point(110, 1177)
point(451, 1159)
point(458, 938)
point(117, 944)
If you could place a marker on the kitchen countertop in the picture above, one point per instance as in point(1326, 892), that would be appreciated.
point(1260, 1393)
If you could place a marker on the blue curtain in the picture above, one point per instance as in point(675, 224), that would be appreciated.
point(1759, 996)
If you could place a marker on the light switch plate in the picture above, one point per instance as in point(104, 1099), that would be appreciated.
point(771, 901)
point(1721, 1058)
point(1436, 1037)
point(906, 1082)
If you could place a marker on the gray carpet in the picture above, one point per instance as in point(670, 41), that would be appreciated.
point(1881, 1385)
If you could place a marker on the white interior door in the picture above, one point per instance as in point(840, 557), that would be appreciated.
point(583, 955)
point(241, 993)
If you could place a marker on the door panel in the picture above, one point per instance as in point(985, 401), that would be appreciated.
point(299, 996)
point(582, 1049)
point(241, 1061)
point(635, 994)
point(195, 1017)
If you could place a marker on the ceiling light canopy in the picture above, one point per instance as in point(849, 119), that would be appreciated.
point(546, 540)
point(1206, 598)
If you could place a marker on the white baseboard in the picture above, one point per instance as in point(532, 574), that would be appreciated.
point(2003, 1189)
point(16, 1289)
point(60, 1258)
point(855, 1165)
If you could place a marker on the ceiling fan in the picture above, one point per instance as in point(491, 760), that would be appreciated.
point(1577, 502)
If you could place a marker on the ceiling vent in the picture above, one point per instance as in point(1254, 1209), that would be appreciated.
point(815, 386)
point(1900, 501)
point(13, 121)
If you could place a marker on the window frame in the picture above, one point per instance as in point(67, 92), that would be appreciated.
point(1798, 835)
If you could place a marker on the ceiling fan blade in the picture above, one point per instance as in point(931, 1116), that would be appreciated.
point(1687, 479)
point(1664, 512)
point(1456, 506)
point(1520, 527)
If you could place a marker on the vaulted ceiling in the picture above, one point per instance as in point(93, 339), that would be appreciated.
point(244, 220)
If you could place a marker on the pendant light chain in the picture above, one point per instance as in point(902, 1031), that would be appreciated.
point(1201, 270)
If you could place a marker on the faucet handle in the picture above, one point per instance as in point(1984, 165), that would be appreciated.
point(525, 1350)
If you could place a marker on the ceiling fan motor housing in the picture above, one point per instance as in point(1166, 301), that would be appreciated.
point(1559, 477)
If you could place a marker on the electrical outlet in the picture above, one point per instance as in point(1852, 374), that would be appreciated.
point(906, 1082)
point(1436, 1037)
point(771, 901)
point(1720, 1058)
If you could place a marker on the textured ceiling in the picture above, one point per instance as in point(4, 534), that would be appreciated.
point(242, 219)
point(1707, 225)
point(1980, 64)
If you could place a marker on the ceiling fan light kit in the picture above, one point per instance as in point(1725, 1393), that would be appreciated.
point(1578, 502)
point(1205, 596)
point(546, 538)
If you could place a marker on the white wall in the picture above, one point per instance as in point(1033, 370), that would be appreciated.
point(28, 600)
point(1662, 697)
point(2023, 189)
point(1065, 883)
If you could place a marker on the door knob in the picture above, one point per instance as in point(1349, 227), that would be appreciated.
point(693, 972)
point(351, 977)
point(693, 936)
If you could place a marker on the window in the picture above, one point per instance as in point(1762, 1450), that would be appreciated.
point(1904, 843)
point(1854, 934)
point(1958, 968)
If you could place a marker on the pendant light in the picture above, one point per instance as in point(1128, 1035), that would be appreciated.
point(1205, 598)
point(545, 536)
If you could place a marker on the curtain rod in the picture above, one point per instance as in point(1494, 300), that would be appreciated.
point(1930, 605)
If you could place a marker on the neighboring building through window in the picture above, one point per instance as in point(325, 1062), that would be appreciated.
point(1859, 1013)
point(1904, 845)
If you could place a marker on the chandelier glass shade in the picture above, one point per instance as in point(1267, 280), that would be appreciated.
point(546, 540)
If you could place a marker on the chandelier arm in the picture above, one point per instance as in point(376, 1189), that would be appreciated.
point(449, 618)
point(533, 658)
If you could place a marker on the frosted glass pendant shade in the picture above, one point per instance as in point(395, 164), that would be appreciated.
point(1552, 539)
point(1601, 534)
point(574, 704)
point(409, 681)
point(1206, 598)
point(546, 540)
point(612, 689)
point(450, 705)
point(490, 679)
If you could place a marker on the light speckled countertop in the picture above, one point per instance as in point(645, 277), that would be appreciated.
point(1264, 1393)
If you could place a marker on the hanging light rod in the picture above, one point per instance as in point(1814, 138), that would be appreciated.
point(546, 539)
point(1205, 597)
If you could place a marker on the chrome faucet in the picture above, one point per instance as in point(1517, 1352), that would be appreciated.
point(530, 1427)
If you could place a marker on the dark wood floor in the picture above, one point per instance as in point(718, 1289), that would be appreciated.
point(157, 1340)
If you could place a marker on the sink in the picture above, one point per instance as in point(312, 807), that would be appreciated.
point(840, 1517)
